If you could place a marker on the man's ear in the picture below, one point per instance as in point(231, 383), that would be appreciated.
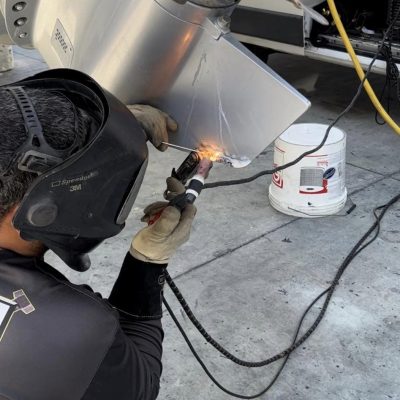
point(10, 237)
point(9, 217)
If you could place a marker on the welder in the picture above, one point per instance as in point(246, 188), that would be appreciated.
point(72, 158)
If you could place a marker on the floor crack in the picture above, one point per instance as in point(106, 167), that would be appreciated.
point(365, 169)
point(250, 241)
point(232, 250)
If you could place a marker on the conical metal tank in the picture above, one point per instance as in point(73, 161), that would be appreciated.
point(176, 55)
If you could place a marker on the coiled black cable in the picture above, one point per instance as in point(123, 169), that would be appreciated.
point(356, 250)
point(249, 364)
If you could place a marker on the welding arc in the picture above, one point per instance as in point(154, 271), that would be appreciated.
point(356, 250)
point(333, 124)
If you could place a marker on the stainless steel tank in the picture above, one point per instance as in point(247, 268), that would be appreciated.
point(177, 55)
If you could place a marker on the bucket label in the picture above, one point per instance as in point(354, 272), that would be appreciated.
point(312, 181)
point(277, 177)
point(322, 175)
point(329, 173)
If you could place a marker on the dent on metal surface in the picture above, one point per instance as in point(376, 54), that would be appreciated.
point(179, 57)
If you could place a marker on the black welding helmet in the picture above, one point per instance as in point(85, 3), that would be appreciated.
point(79, 199)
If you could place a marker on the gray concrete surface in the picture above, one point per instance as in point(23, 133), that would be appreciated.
point(249, 272)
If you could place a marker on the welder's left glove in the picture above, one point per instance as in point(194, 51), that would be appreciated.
point(156, 124)
point(174, 188)
point(156, 243)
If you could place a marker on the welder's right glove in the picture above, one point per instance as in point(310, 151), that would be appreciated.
point(159, 241)
point(156, 124)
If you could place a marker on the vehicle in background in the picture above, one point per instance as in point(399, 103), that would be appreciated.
point(268, 26)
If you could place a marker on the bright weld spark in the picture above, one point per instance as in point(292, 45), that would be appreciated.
point(205, 151)
point(211, 153)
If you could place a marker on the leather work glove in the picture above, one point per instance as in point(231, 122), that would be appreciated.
point(158, 242)
point(156, 124)
point(174, 188)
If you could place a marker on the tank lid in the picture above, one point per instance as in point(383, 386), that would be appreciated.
point(311, 135)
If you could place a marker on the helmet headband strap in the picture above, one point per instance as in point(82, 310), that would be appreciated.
point(35, 155)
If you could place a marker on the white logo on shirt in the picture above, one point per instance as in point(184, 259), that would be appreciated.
point(8, 307)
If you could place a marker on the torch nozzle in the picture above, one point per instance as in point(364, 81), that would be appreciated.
point(204, 167)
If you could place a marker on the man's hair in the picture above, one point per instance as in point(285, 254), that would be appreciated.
point(57, 117)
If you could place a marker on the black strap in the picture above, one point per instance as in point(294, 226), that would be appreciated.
point(35, 155)
point(32, 123)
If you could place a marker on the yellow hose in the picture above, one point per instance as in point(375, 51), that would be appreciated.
point(375, 101)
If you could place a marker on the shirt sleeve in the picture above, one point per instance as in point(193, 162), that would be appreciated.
point(132, 367)
point(138, 291)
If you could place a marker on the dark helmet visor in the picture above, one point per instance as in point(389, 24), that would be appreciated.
point(80, 199)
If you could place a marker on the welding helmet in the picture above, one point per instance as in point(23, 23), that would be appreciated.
point(81, 196)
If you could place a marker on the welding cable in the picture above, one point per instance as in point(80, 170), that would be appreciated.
point(211, 376)
point(360, 72)
point(206, 370)
point(251, 364)
point(357, 249)
point(333, 124)
point(392, 77)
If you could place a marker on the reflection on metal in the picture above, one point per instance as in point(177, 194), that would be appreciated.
point(6, 58)
point(179, 57)
point(4, 37)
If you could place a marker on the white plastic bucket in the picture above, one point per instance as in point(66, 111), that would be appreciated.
point(6, 58)
point(315, 187)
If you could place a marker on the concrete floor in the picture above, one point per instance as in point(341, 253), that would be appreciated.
point(249, 272)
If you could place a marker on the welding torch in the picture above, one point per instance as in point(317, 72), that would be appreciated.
point(194, 168)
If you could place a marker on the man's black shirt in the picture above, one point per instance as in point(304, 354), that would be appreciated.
point(60, 341)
